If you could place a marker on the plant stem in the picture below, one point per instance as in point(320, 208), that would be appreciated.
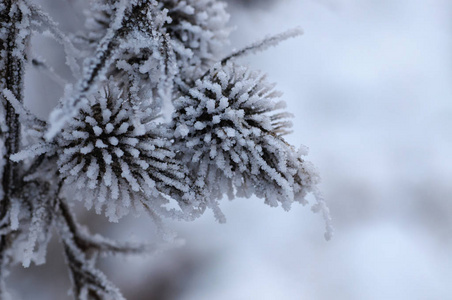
point(11, 78)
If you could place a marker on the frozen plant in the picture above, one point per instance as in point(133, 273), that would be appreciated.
point(111, 143)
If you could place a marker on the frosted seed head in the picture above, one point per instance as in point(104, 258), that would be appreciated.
point(113, 161)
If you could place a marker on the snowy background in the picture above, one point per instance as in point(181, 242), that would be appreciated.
point(370, 85)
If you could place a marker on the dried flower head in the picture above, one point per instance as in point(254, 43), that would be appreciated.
point(230, 132)
point(114, 155)
point(189, 35)
point(198, 32)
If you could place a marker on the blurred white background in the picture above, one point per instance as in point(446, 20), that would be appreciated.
point(370, 86)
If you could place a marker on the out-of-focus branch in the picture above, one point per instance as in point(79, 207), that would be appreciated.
point(101, 245)
point(81, 249)
point(11, 75)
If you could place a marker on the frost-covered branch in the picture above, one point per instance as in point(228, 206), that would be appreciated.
point(82, 248)
point(14, 36)
point(88, 243)
point(156, 120)
point(88, 282)
point(263, 44)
